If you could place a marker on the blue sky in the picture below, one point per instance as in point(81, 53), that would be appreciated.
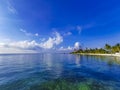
point(35, 25)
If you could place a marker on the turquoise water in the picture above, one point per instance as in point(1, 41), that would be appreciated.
point(59, 72)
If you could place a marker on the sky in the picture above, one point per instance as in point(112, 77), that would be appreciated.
point(28, 26)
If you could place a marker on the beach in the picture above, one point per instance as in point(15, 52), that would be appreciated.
point(115, 55)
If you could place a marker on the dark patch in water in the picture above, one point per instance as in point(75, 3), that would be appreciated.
point(60, 84)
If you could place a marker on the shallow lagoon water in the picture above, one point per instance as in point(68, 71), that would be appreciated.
point(59, 72)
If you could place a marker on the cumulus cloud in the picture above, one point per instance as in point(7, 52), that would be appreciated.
point(20, 45)
point(33, 45)
point(69, 48)
point(52, 41)
point(24, 44)
point(77, 45)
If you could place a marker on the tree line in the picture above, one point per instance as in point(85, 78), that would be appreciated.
point(108, 49)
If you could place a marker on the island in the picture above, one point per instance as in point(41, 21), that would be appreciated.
point(107, 50)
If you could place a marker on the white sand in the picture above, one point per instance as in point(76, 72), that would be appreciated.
point(117, 55)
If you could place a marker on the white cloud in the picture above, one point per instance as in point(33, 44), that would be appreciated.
point(61, 48)
point(28, 33)
point(42, 39)
point(48, 44)
point(52, 41)
point(20, 45)
point(11, 8)
point(77, 45)
point(69, 48)
point(79, 28)
point(22, 30)
point(25, 32)
point(67, 34)
point(24, 44)
point(58, 38)
point(86, 26)
point(36, 34)
point(33, 45)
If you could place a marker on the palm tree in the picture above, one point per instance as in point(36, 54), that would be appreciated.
point(118, 47)
point(108, 47)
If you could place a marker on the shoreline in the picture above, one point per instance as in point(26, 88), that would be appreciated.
point(92, 54)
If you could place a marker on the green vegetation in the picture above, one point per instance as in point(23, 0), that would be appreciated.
point(61, 84)
point(108, 49)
